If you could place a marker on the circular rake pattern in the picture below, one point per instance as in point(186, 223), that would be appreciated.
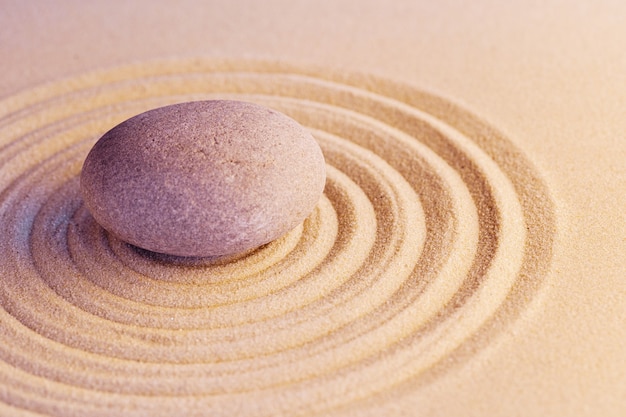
point(433, 234)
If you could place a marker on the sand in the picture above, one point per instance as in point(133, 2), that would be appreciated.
point(467, 257)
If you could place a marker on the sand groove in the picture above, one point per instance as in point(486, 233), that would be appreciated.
point(433, 234)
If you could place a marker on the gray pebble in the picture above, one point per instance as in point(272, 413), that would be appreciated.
point(205, 178)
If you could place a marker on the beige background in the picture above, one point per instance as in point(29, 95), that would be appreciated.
point(550, 74)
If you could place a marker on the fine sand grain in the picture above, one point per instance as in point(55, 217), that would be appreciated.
point(433, 233)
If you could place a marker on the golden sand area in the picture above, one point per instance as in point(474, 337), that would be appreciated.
point(457, 263)
point(415, 256)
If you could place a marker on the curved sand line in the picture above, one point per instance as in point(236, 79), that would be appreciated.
point(433, 235)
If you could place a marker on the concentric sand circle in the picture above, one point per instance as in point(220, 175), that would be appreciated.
point(433, 234)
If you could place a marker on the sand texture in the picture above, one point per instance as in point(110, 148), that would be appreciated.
point(467, 256)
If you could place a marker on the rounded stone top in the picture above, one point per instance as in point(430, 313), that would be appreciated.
point(205, 178)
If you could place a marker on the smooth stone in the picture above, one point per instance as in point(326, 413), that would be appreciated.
point(203, 179)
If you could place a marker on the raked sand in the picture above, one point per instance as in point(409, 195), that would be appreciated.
point(467, 257)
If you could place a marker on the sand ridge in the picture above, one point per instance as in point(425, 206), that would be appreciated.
point(434, 233)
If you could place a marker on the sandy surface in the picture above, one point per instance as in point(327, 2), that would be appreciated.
point(468, 258)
